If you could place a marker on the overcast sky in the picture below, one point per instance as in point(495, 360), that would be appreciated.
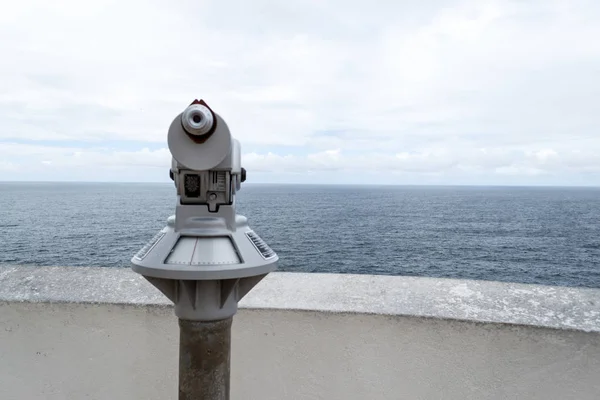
point(398, 92)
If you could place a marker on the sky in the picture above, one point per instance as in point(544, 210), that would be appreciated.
point(317, 91)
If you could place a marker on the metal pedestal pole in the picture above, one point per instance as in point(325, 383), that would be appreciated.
point(204, 359)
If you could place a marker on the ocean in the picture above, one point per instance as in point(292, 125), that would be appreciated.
point(519, 234)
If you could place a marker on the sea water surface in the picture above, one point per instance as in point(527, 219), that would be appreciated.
point(532, 235)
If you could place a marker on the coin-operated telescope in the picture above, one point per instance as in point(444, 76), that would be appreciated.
point(207, 258)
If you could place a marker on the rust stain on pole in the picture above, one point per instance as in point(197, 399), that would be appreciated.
point(204, 359)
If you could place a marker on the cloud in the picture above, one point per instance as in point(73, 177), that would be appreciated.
point(331, 166)
point(7, 166)
point(468, 90)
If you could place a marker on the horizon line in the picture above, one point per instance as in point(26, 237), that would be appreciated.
point(591, 186)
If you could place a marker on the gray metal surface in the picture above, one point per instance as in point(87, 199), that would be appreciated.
point(199, 156)
point(152, 260)
point(204, 359)
point(205, 300)
point(197, 119)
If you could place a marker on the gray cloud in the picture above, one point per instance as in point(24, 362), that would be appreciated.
point(470, 91)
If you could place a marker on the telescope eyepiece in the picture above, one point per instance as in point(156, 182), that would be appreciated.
point(197, 120)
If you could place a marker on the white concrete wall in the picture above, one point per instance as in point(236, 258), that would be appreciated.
point(104, 334)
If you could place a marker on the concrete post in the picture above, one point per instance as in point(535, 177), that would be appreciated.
point(204, 359)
